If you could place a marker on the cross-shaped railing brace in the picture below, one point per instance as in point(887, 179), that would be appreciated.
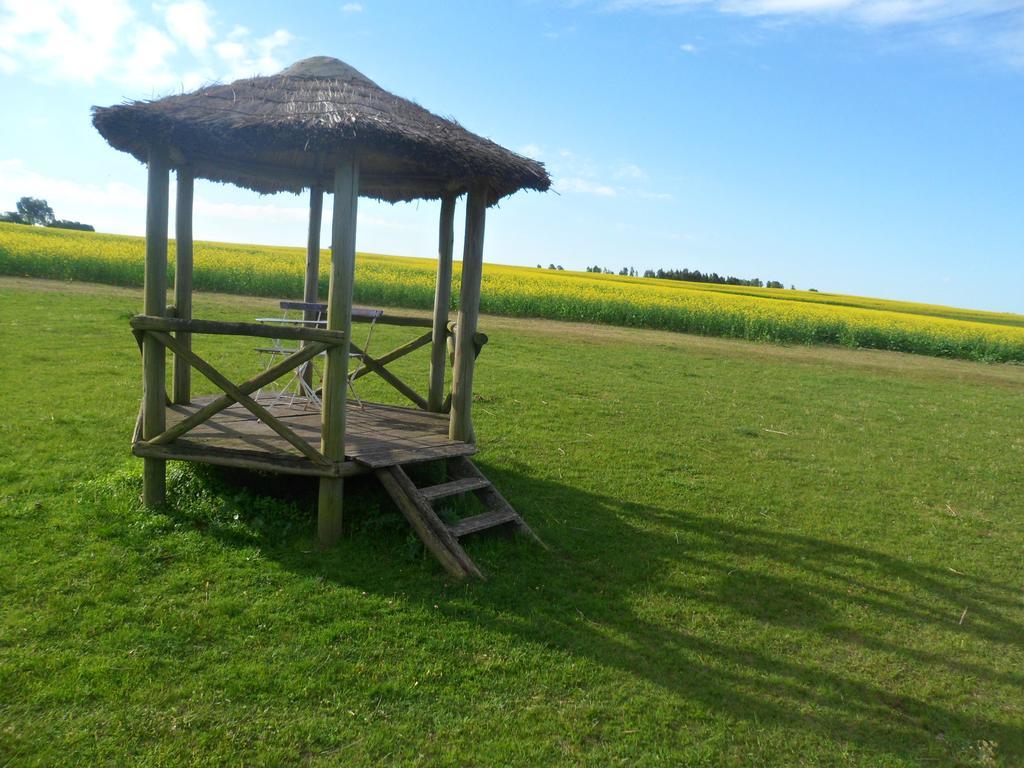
point(239, 394)
point(376, 365)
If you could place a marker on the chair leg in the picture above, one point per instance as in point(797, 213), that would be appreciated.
point(308, 391)
point(362, 364)
point(355, 397)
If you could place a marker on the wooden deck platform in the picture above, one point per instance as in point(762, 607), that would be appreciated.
point(376, 436)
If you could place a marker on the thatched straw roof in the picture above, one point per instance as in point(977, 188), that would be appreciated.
point(286, 132)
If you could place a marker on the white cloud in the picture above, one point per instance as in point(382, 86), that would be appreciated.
point(86, 41)
point(646, 195)
point(688, 48)
point(992, 27)
point(552, 33)
point(72, 40)
point(189, 23)
point(245, 56)
point(874, 11)
point(119, 207)
point(238, 217)
point(573, 173)
point(352, 8)
point(147, 60)
point(249, 212)
point(630, 171)
point(98, 204)
point(565, 184)
point(230, 51)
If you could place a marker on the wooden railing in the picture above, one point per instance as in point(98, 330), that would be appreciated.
point(316, 340)
point(377, 364)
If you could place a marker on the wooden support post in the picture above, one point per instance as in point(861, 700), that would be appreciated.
point(182, 376)
point(442, 302)
point(460, 424)
point(339, 318)
point(310, 294)
point(154, 475)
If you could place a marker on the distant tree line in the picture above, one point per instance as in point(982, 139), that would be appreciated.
point(35, 211)
point(689, 275)
point(696, 276)
point(625, 271)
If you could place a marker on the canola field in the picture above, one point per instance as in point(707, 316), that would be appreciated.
point(758, 314)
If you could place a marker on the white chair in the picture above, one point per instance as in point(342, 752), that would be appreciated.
point(304, 379)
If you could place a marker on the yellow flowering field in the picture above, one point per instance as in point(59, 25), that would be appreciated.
point(765, 314)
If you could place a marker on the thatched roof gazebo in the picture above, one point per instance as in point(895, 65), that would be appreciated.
point(323, 126)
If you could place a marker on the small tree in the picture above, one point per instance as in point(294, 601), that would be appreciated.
point(33, 210)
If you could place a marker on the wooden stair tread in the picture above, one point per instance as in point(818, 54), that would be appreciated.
point(428, 526)
point(453, 488)
point(440, 539)
point(483, 521)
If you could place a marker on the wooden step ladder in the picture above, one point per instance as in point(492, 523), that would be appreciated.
point(440, 538)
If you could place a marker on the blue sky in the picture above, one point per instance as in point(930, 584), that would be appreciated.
point(860, 146)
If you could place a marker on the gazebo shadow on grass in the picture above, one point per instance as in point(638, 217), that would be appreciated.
point(775, 590)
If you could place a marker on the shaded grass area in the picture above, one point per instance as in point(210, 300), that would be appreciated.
point(760, 556)
point(758, 314)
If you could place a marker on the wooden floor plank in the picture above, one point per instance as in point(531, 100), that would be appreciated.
point(376, 436)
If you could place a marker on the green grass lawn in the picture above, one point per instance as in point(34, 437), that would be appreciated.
point(760, 555)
